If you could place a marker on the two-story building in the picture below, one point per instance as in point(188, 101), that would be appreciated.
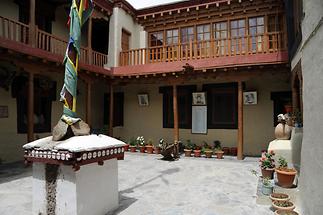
point(148, 63)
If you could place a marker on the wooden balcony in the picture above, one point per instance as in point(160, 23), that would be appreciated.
point(20, 33)
point(215, 48)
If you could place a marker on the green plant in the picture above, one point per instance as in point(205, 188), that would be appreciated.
point(206, 147)
point(189, 145)
point(140, 141)
point(267, 161)
point(132, 142)
point(284, 204)
point(150, 142)
point(266, 182)
point(217, 145)
point(282, 163)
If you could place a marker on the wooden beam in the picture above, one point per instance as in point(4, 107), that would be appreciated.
point(32, 23)
point(88, 111)
point(175, 109)
point(240, 121)
point(111, 112)
point(89, 40)
point(30, 108)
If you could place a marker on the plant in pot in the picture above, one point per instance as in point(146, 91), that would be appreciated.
point(207, 150)
point(197, 150)
point(283, 205)
point(226, 150)
point(267, 184)
point(284, 212)
point(279, 197)
point(157, 148)
point(188, 148)
point(285, 175)
point(133, 145)
point(267, 164)
point(141, 144)
point(150, 147)
point(218, 149)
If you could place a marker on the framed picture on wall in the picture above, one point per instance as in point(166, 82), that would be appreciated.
point(143, 100)
point(250, 98)
point(199, 98)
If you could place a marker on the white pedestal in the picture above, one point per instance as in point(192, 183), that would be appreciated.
point(282, 148)
point(92, 190)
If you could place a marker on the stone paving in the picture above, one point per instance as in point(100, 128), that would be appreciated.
point(148, 185)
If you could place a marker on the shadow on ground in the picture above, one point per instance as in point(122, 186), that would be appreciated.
point(14, 171)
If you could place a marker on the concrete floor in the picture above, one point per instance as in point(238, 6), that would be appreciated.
point(148, 185)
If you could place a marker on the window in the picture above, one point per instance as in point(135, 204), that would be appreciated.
point(157, 39)
point(184, 100)
point(172, 39)
point(222, 105)
point(256, 31)
point(203, 34)
point(220, 30)
point(238, 32)
point(118, 103)
point(275, 25)
point(187, 36)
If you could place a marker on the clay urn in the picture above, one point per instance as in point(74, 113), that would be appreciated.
point(283, 131)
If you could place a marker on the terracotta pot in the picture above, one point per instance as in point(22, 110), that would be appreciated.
point(208, 153)
point(279, 197)
point(226, 150)
point(187, 152)
point(142, 149)
point(150, 149)
point(133, 148)
point(126, 147)
point(286, 178)
point(267, 173)
point(157, 150)
point(219, 154)
point(283, 131)
point(276, 205)
point(197, 153)
point(234, 151)
point(284, 212)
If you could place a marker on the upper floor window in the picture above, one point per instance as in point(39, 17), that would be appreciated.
point(157, 38)
point(238, 32)
point(187, 34)
point(220, 31)
point(256, 31)
point(172, 37)
point(203, 32)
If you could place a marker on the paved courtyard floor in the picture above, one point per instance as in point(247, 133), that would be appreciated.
point(148, 185)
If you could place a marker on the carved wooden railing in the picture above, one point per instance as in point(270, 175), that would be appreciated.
point(19, 32)
point(247, 45)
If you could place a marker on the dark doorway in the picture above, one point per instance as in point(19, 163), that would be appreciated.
point(100, 35)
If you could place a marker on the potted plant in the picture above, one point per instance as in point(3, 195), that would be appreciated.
point(157, 148)
point(133, 145)
point(283, 205)
point(218, 149)
point(267, 186)
point(226, 150)
point(188, 148)
point(279, 197)
point(234, 151)
point(207, 150)
point(150, 147)
point(267, 164)
point(284, 212)
point(197, 151)
point(141, 144)
point(285, 175)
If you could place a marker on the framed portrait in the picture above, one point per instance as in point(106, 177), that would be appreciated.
point(199, 98)
point(4, 113)
point(250, 98)
point(143, 100)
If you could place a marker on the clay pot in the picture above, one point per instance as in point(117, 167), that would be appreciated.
point(219, 154)
point(126, 147)
point(278, 205)
point(197, 153)
point(234, 151)
point(133, 148)
point(283, 131)
point(279, 197)
point(267, 190)
point(142, 149)
point(226, 150)
point(208, 153)
point(187, 152)
point(267, 173)
point(157, 150)
point(150, 149)
point(284, 212)
point(286, 177)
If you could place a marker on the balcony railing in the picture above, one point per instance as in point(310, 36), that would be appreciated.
point(248, 45)
point(19, 32)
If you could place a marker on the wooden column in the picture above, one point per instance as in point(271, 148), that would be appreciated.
point(30, 108)
point(32, 23)
point(111, 111)
point(175, 109)
point(88, 103)
point(240, 121)
point(89, 40)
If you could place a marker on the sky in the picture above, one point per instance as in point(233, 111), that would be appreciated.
point(138, 4)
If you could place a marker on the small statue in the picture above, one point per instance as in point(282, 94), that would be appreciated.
point(169, 151)
point(283, 130)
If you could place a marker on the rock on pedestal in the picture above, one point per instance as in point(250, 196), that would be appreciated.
point(75, 179)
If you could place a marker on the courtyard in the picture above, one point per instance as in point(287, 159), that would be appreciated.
point(148, 185)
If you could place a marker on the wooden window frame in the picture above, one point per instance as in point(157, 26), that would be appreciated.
point(118, 109)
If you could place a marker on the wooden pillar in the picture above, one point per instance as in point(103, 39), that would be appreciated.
point(89, 41)
point(32, 23)
point(240, 121)
point(175, 109)
point(111, 111)
point(30, 108)
point(88, 103)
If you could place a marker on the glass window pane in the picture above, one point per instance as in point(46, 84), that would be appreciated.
point(207, 36)
point(207, 28)
point(199, 29)
point(234, 33)
point(253, 31)
point(260, 20)
point(234, 24)
point(252, 22)
point(223, 25)
point(241, 32)
point(190, 30)
point(241, 23)
point(169, 33)
point(260, 29)
point(175, 33)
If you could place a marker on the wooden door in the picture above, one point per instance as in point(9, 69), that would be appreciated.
point(125, 46)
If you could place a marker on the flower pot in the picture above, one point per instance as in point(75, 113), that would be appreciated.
point(133, 148)
point(126, 147)
point(150, 149)
point(187, 152)
point(142, 149)
point(279, 197)
point(197, 153)
point(226, 150)
point(219, 154)
point(283, 205)
point(267, 173)
point(283, 131)
point(234, 151)
point(157, 150)
point(208, 153)
point(284, 212)
point(286, 177)
point(267, 189)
